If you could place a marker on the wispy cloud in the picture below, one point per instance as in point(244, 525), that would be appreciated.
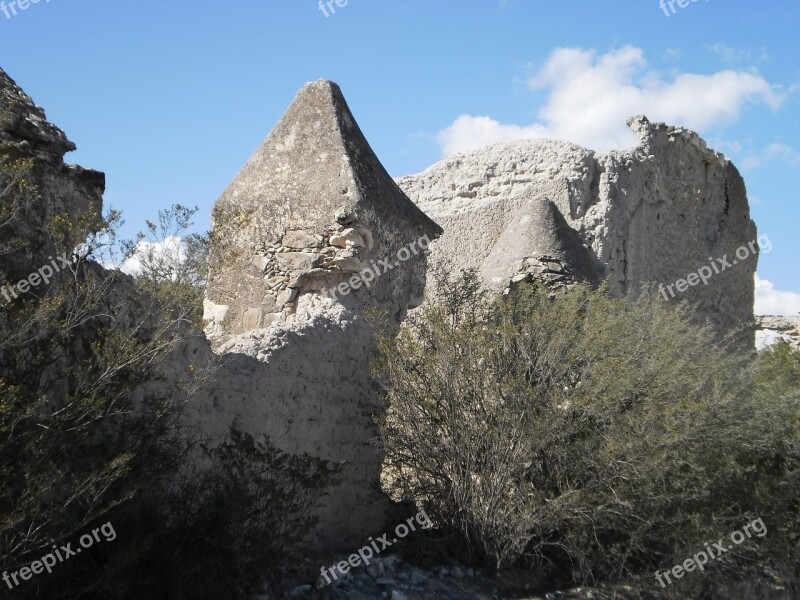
point(770, 301)
point(591, 95)
point(775, 152)
point(733, 56)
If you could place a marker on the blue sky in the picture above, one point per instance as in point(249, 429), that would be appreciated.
point(170, 98)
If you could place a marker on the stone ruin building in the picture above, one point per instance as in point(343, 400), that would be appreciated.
point(313, 207)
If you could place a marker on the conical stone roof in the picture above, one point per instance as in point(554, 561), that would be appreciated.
point(279, 224)
point(317, 161)
point(537, 236)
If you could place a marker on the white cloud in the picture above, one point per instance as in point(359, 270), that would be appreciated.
point(591, 95)
point(770, 301)
point(468, 132)
point(171, 251)
point(777, 151)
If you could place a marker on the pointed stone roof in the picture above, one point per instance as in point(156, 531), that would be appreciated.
point(317, 162)
point(311, 206)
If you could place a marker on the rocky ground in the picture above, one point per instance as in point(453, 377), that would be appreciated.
point(391, 578)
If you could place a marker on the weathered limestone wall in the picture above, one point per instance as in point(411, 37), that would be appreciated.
point(311, 209)
point(650, 214)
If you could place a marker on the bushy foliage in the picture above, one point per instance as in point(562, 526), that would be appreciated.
point(71, 359)
point(85, 439)
point(227, 532)
point(594, 435)
point(170, 263)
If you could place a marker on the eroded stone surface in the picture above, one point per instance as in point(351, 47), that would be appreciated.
point(648, 215)
point(311, 207)
point(63, 190)
point(24, 123)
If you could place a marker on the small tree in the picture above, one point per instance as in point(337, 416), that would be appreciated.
point(81, 437)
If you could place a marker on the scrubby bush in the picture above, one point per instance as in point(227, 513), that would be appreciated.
point(86, 438)
point(227, 532)
point(602, 437)
point(170, 263)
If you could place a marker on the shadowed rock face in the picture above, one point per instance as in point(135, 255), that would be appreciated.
point(652, 214)
point(313, 208)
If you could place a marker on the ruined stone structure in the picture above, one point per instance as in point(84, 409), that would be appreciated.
point(313, 208)
point(648, 215)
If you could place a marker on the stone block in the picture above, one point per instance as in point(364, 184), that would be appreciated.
point(298, 261)
point(300, 239)
point(251, 319)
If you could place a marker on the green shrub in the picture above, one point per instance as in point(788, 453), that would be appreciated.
point(226, 532)
point(86, 440)
point(591, 434)
point(172, 265)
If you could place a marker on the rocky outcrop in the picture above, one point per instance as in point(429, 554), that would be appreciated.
point(652, 214)
point(785, 328)
point(55, 189)
point(24, 124)
point(311, 207)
